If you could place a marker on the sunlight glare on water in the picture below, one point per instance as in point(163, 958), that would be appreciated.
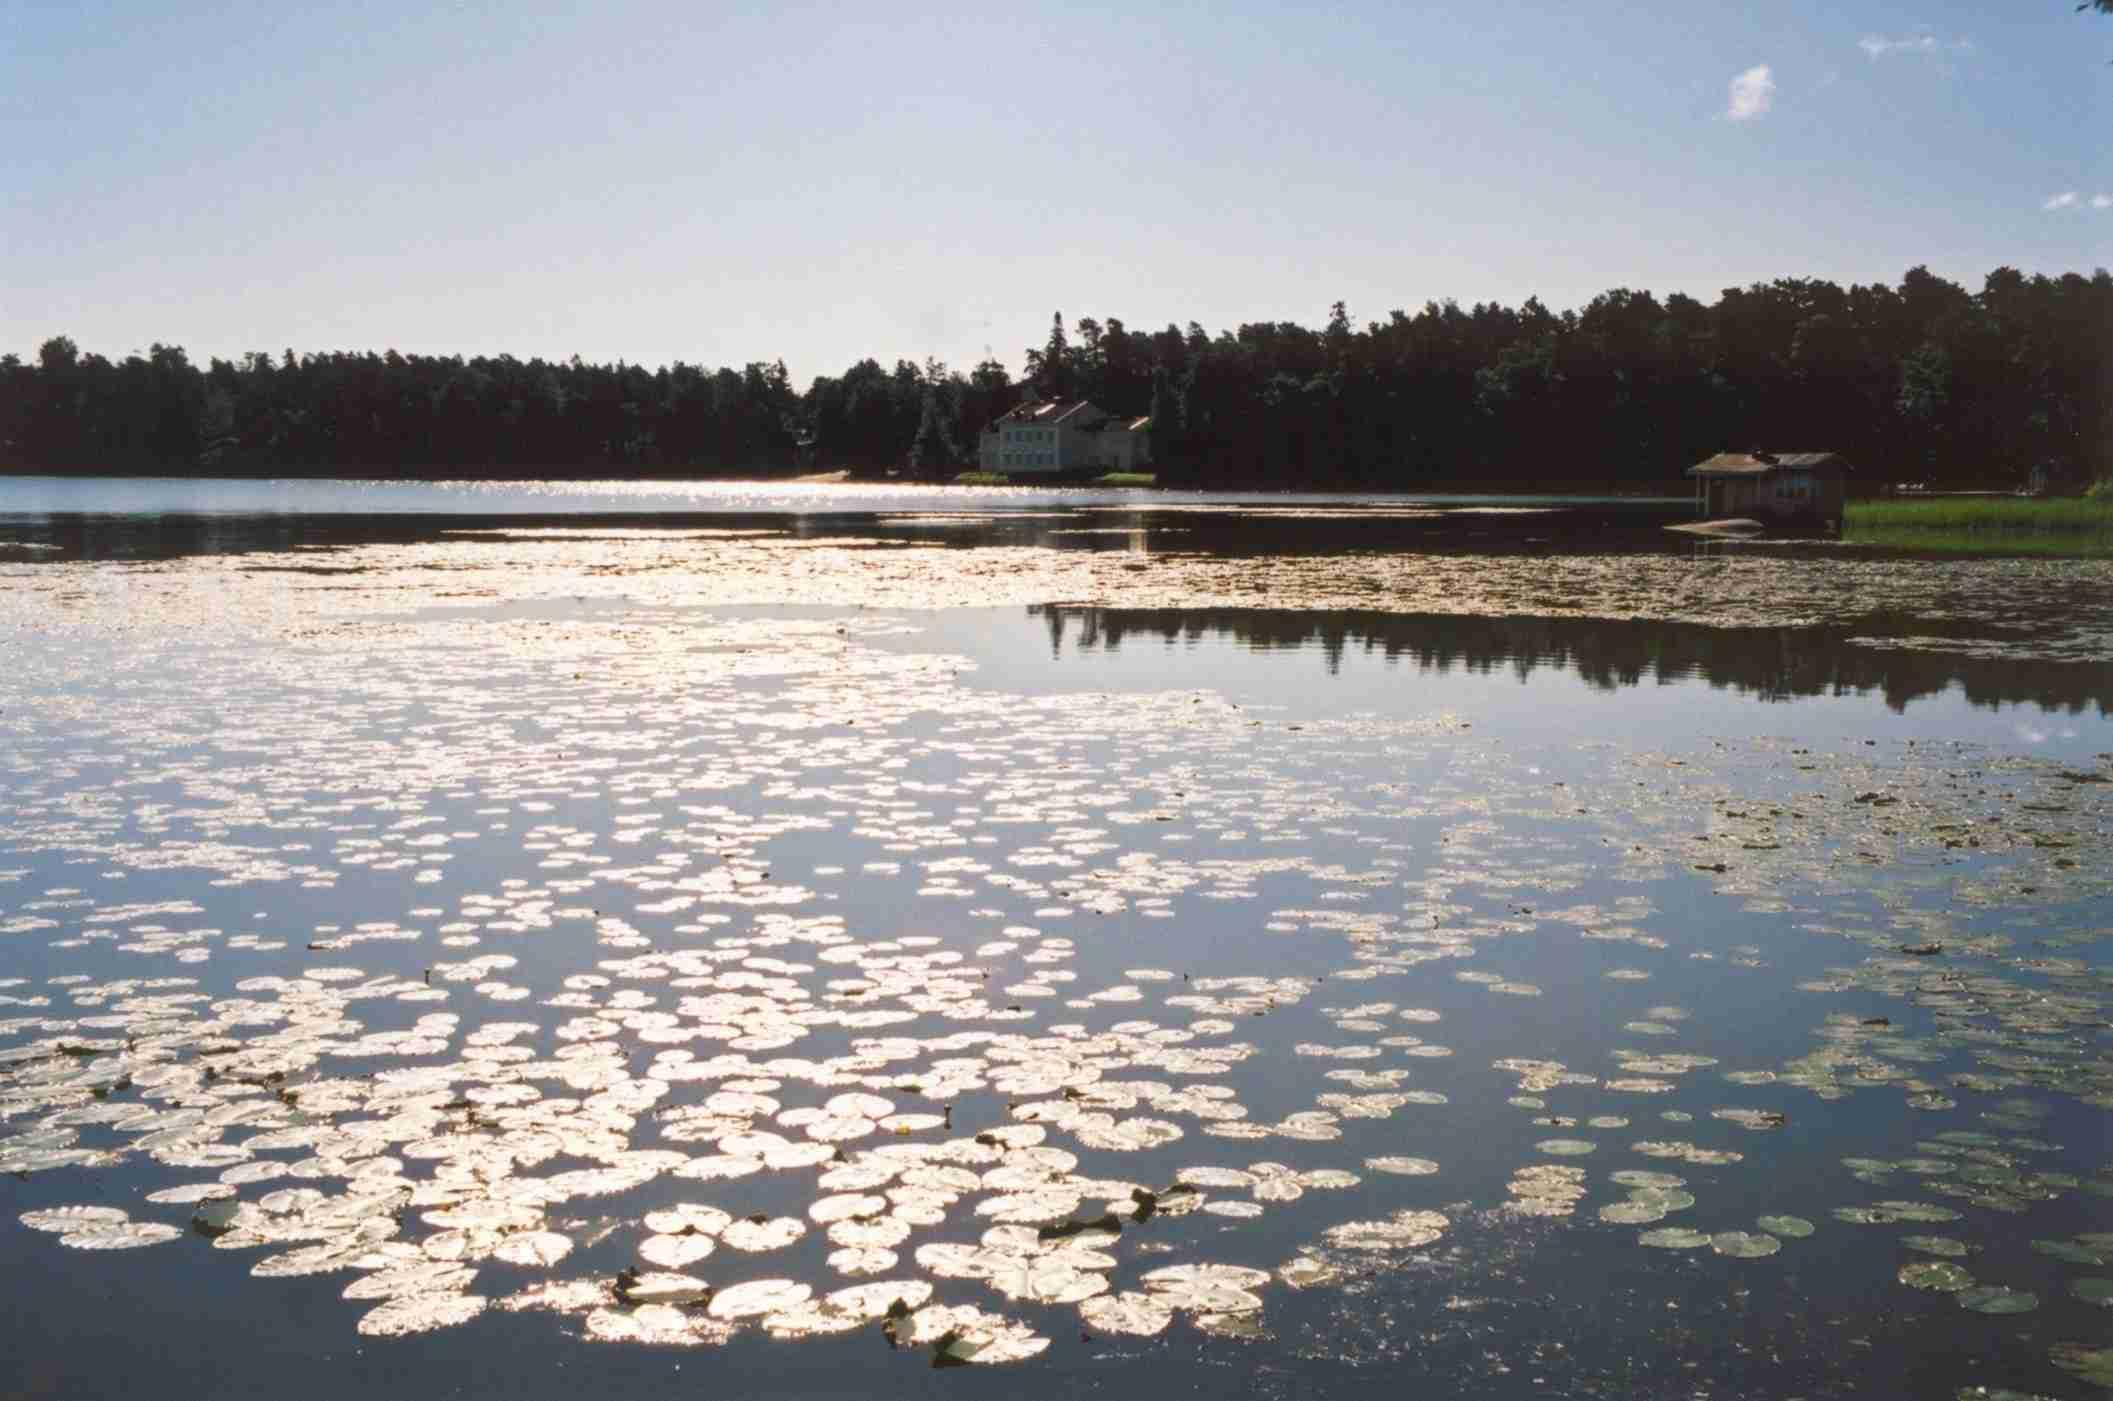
point(502, 938)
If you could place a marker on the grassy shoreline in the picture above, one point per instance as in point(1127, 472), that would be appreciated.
point(1138, 479)
point(2014, 525)
point(2069, 514)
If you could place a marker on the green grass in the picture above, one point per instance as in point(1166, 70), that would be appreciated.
point(1111, 479)
point(1995, 525)
point(2066, 514)
point(1985, 542)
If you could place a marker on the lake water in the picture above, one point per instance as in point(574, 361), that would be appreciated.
point(1247, 946)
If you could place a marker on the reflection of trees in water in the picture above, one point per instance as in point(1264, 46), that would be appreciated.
point(1773, 663)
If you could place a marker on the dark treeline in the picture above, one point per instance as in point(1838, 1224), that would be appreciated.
point(1925, 380)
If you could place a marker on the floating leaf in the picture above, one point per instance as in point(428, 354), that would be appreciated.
point(674, 1252)
point(1935, 1274)
point(1674, 1238)
point(2093, 1291)
point(536, 1248)
point(420, 1313)
point(752, 1235)
point(64, 1220)
point(2069, 1251)
point(1743, 1245)
point(1997, 1298)
point(1404, 1230)
point(757, 1297)
point(1140, 1315)
point(128, 1236)
point(1788, 1227)
point(2088, 1362)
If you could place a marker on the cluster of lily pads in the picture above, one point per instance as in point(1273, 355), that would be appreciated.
point(636, 1006)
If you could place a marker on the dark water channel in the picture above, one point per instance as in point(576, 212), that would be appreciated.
point(1458, 964)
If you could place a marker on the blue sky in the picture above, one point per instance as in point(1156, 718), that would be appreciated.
point(651, 180)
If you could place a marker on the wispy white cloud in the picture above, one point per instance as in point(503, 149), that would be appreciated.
point(2065, 200)
point(1927, 45)
point(2102, 201)
point(1752, 94)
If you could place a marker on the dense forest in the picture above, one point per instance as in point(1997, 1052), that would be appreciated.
point(1924, 381)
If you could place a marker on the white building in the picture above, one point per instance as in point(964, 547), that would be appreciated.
point(1064, 435)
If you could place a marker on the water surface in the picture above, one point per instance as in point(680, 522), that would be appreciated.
point(453, 893)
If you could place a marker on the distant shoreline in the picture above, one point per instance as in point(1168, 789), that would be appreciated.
point(1450, 486)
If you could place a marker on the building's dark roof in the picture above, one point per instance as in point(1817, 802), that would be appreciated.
point(1757, 464)
point(1045, 411)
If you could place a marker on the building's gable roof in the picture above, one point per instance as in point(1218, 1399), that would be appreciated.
point(1046, 412)
point(1759, 464)
point(1079, 413)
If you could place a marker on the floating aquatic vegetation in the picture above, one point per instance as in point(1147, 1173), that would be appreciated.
point(2093, 1290)
point(1141, 1315)
point(1935, 1275)
point(127, 1235)
point(1997, 1300)
point(1209, 1288)
point(722, 1028)
point(2087, 1362)
point(2069, 1251)
point(1310, 1271)
point(757, 1297)
point(654, 1324)
point(1890, 1212)
point(64, 1220)
point(1404, 1230)
point(420, 1313)
point(1675, 1238)
point(1787, 1227)
point(1638, 1177)
point(1546, 1189)
point(752, 1234)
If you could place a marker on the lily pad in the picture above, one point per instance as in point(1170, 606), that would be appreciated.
point(1788, 1227)
point(1997, 1298)
point(2093, 1290)
point(63, 1220)
point(129, 1235)
point(1939, 1275)
point(2088, 1362)
point(757, 1297)
point(420, 1313)
point(1674, 1238)
point(1140, 1315)
point(1744, 1245)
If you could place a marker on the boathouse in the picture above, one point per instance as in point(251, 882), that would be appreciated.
point(1780, 488)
